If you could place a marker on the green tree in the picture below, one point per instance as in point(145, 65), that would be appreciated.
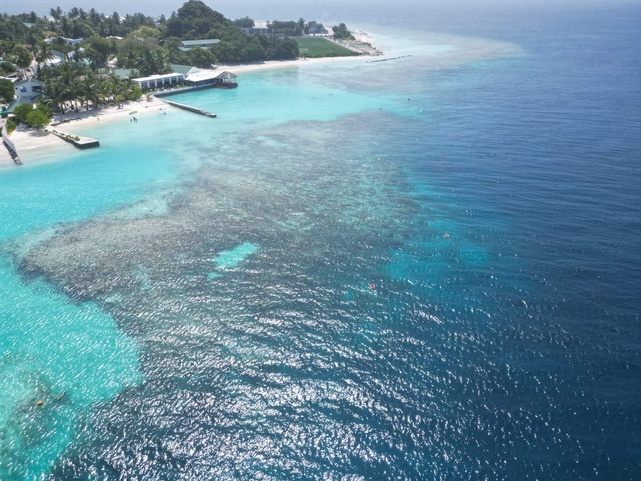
point(63, 83)
point(22, 111)
point(56, 93)
point(42, 53)
point(97, 51)
point(245, 22)
point(6, 46)
point(6, 68)
point(82, 29)
point(341, 31)
point(6, 90)
point(76, 55)
point(197, 19)
point(22, 57)
point(287, 50)
point(56, 13)
point(44, 109)
point(119, 99)
point(135, 93)
point(11, 126)
point(174, 26)
point(38, 119)
point(288, 28)
point(151, 62)
point(200, 57)
point(253, 51)
point(139, 47)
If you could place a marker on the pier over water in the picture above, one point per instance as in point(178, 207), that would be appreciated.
point(190, 108)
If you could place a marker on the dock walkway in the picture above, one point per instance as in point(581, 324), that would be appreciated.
point(77, 141)
point(189, 108)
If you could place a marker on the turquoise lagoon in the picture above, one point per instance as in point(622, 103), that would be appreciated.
point(69, 353)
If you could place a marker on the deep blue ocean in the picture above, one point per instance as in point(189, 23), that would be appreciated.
point(421, 269)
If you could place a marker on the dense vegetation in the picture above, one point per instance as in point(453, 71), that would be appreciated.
point(37, 118)
point(74, 86)
point(341, 32)
point(157, 40)
point(6, 90)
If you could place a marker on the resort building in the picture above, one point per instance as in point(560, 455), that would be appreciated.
point(72, 42)
point(186, 70)
point(28, 89)
point(188, 75)
point(213, 78)
point(259, 28)
point(72, 54)
point(8, 112)
point(189, 44)
point(56, 58)
point(159, 81)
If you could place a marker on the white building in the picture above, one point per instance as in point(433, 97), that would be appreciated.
point(28, 89)
point(72, 42)
point(159, 81)
point(259, 28)
point(189, 44)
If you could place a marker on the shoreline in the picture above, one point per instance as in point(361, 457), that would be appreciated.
point(30, 141)
point(443, 51)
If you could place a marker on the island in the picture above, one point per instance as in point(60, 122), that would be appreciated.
point(79, 61)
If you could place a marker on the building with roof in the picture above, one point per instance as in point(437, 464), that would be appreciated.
point(206, 43)
point(186, 70)
point(259, 28)
point(159, 81)
point(28, 89)
point(56, 58)
point(9, 111)
point(212, 77)
point(72, 42)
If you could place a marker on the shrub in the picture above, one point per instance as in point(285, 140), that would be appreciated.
point(11, 126)
point(21, 112)
point(37, 118)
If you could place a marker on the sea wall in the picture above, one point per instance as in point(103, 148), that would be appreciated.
point(9, 144)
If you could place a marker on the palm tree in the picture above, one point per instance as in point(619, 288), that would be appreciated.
point(43, 52)
point(23, 59)
point(56, 13)
point(104, 90)
point(55, 93)
point(69, 76)
point(90, 91)
point(146, 63)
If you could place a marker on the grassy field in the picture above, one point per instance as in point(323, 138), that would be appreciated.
point(314, 47)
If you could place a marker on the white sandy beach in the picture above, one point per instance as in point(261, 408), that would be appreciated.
point(28, 140)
